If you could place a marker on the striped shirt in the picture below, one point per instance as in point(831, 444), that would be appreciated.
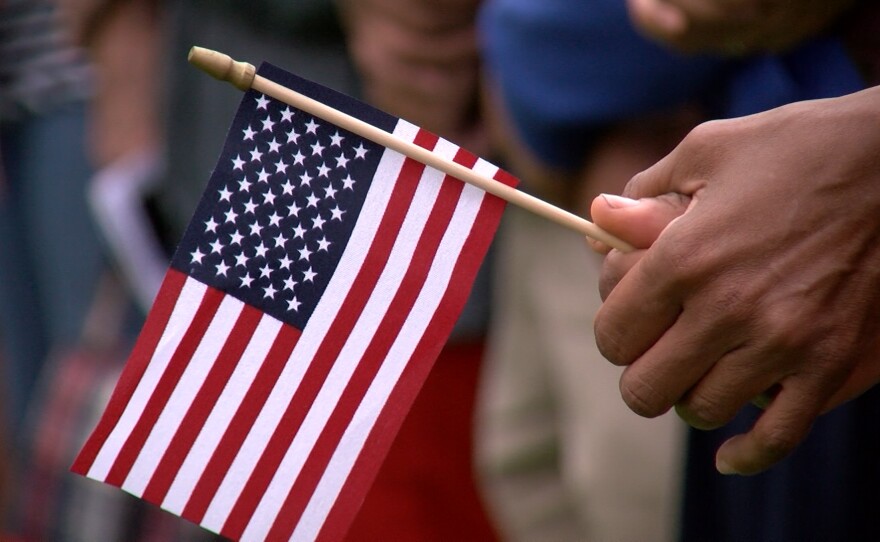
point(40, 68)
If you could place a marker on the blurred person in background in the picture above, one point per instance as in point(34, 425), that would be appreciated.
point(114, 121)
point(577, 104)
point(50, 254)
point(50, 257)
point(155, 127)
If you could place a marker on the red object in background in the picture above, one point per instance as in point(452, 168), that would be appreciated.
point(426, 489)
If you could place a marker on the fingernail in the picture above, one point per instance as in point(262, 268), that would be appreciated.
point(618, 202)
point(723, 467)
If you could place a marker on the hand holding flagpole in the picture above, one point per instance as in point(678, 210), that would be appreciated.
point(243, 76)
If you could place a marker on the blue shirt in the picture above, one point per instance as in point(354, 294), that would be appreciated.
point(565, 68)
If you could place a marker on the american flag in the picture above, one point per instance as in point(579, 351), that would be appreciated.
point(311, 293)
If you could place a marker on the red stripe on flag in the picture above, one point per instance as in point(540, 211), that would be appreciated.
point(332, 343)
point(202, 404)
point(398, 311)
point(134, 370)
point(241, 423)
point(376, 447)
point(508, 179)
point(176, 365)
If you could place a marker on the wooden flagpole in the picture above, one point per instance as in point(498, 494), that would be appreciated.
point(243, 76)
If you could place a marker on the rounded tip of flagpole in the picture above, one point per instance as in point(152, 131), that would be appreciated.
point(222, 67)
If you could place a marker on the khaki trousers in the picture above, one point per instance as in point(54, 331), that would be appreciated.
point(559, 454)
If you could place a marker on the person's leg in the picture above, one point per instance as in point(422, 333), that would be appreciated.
point(68, 256)
point(622, 472)
point(561, 456)
point(23, 337)
point(518, 433)
point(51, 255)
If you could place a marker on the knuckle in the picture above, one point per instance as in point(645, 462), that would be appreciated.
point(730, 306)
point(681, 263)
point(781, 330)
point(705, 410)
point(705, 132)
point(641, 397)
point(632, 187)
point(776, 442)
point(707, 140)
point(609, 342)
point(609, 277)
point(807, 338)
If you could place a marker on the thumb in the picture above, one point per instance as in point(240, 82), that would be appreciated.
point(639, 222)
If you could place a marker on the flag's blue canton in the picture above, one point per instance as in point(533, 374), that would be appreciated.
point(279, 208)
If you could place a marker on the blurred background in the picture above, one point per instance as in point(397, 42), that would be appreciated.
point(107, 137)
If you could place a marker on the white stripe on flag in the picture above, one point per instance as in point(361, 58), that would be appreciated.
point(371, 405)
point(358, 245)
point(181, 398)
point(218, 420)
point(184, 309)
point(357, 342)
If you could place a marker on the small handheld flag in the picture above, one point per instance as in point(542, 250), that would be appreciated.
point(318, 280)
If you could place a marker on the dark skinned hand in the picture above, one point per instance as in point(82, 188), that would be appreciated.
point(758, 269)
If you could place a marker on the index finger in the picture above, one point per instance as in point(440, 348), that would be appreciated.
point(644, 301)
point(639, 309)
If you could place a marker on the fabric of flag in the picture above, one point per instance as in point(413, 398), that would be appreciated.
point(312, 291)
